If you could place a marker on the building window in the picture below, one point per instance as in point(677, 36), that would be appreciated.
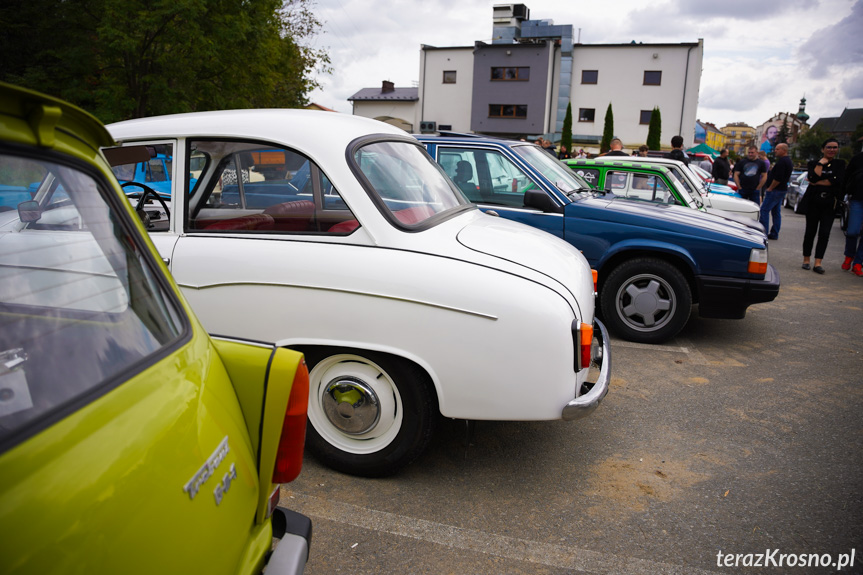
point(449, 77)
point(589, 76)
point(645, 116)
point(507, 111)
point(652, 77)
point(516, 74)
point(586, 114)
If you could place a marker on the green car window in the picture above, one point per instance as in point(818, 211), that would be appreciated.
point(80, 306)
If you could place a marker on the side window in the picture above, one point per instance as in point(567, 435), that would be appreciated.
point(648, 187)
point(251, 188)
point(154, 174)
point(617, 182)
point(486, 176)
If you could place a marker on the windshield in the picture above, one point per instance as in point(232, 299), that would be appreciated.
point(695, 186)
point(407, 182)
point(555, 171)
point(683, 189)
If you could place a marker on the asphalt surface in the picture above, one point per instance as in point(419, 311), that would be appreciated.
point(740, 436)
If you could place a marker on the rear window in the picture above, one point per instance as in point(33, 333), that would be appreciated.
point(80, 307)
point(406, 181)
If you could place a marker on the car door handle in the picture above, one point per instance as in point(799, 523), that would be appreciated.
point(167, 261)
point(492, 213)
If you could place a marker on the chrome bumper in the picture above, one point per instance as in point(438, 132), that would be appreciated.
point(583, 406)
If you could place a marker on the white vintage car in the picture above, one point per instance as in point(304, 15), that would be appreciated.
point(340, 237)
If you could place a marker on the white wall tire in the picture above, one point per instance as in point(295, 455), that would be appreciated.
point(369, 414)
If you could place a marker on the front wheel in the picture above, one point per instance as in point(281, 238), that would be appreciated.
point(369, 414)
point(646, 300)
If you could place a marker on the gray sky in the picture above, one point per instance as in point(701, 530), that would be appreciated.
point(760, 57)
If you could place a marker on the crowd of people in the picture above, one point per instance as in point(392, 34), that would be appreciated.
point(829, 182)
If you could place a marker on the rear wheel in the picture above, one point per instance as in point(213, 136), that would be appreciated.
point(369, 414)
point(646, 300)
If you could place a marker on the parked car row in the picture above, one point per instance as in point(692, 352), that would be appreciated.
point(654, 260)
point(130, 440)
point(353, 293)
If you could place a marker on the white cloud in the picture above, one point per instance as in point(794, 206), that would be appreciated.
point(757, 55)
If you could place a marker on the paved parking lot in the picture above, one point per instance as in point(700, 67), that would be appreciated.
point(737, 437)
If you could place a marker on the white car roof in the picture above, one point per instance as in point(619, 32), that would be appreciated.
point(318, 130)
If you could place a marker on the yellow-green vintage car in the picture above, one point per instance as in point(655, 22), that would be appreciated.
point(130, 441)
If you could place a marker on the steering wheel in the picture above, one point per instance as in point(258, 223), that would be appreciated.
point(143, 199)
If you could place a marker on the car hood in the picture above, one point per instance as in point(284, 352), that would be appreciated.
point(534, 249)
point(671, 218)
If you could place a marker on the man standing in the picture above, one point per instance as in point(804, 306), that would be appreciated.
point(616, 148)
point(677, 152)
point(749, 175)
point(721, 168)
point(774, 193)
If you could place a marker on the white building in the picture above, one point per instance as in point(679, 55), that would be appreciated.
point(521, 83)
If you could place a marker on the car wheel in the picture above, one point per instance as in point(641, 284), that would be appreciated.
point(369, 414)
point(646, 300)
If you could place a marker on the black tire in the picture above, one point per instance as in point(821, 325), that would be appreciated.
point(370, 414)
point(663, 306)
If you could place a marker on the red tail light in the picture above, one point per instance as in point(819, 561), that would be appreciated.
point(289, 458)
point(586, 342)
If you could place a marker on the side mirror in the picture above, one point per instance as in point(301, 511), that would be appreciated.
point(539, 200)
point(29, 212)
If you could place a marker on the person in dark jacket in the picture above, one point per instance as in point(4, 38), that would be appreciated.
point(825, 188)
point(774, 191)
point(616, 148)
point(677, 152)
point(853, 187)
point(721, 170)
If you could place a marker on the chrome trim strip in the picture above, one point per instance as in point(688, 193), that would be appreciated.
point(346, 291)
point(583, 406)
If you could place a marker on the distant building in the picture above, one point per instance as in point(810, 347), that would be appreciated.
point(842, 128)
point(313, 106)
point(519, 85)
point(738, 137)
point(388, 104)
point(766, 134)
point(709, 134)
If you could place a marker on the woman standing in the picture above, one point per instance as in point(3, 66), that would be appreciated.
point(825, 185)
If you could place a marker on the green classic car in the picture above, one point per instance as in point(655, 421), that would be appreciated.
point(130, 441)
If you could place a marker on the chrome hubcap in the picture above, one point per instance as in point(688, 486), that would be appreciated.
point(351, 405)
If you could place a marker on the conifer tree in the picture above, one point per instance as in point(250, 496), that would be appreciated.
point(566, 134)
point(608, 131)
point(654, 130)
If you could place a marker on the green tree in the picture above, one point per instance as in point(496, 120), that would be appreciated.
point(566, 133)
point(782, 136)
point(808, 145)
point(654, 130)
point(123, 59)
point(608, 131)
